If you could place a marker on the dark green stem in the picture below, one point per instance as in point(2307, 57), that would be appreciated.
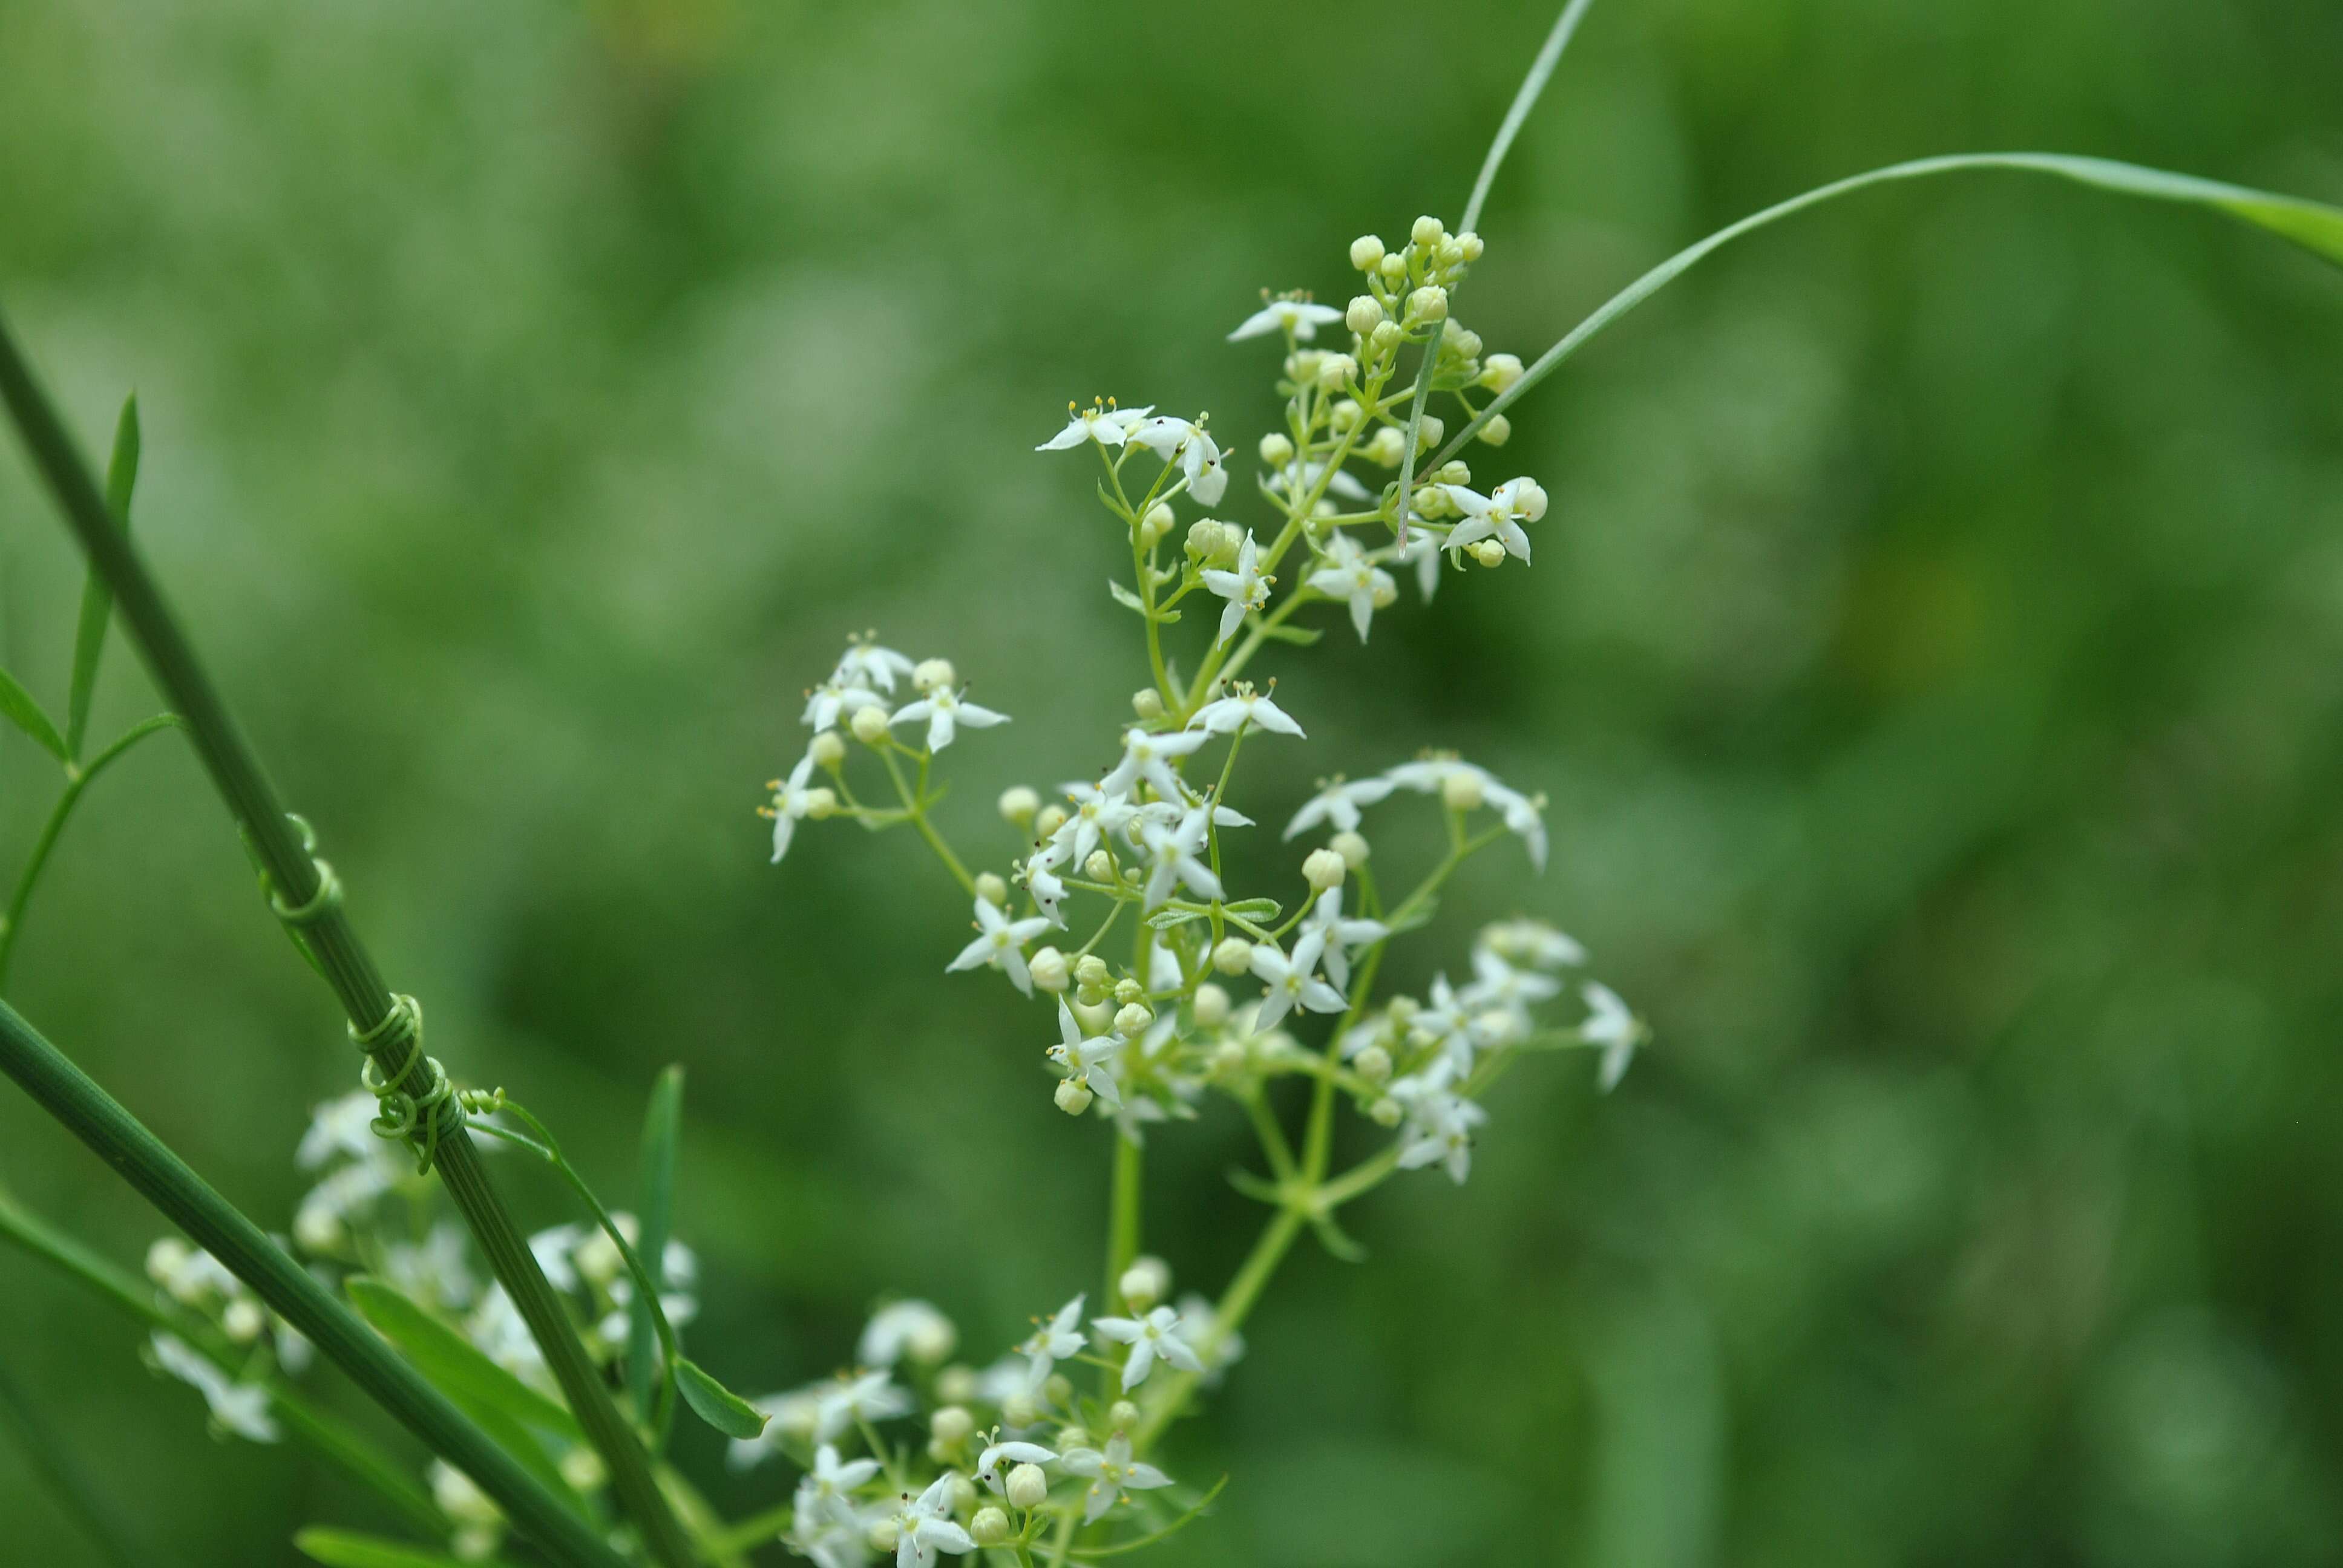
point(331, 940)
point(217, 1226)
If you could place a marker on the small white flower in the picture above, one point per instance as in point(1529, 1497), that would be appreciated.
point(1149, 757)
point(1200, 459)
point(1522, 819)
point(1245, 707)
point(1156, 1335)
point(830, 1479)
point(1048, 889)
point(867, 664)
point(1349, 575)
point(1102, 422)
point(1341, 935)
point(1301, 479)
point(1113, 1471)
point(1498, 983)
point(988, 1462)
point(907, 1325)
point(340, 1126)
point(1533, 943)
point(1421, 551)
point(1440, 1122)
point(793, 801)
point(943, 708)
point(854, 1398)
point(1098, 814)
point(1245, 588)
point(1172, 852)
point(434, 1271)
point(1498, 515)
point(1300, 317)
point(837, 698)
point(1337, 802)
point(923, 1527)
point(239, 1408)
point(1610, 1026)
point(1001, 944)
point(1053, 1341)
point(831, 1532)
point(1292, 980)
point(1196, 1328)
point(1087, 1059)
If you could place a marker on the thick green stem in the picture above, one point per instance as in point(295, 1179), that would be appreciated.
point(217, 1226)
point(328, 934)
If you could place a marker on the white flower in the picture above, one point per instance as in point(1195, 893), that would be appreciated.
point(1300, 317)
point(1156, 1335)
point(1498, 515)
point(1423, 552)
point(1149, 756)
point(1053, 1341)
point(1440, 1122)
point(853, 1398)
point(1196, 1316)
point(1245, 707)
point(239, 1408)
point(1522, 819)
point(1337, 802)
point(1099, 813)
point(786, 1415)
point(792, 802)
point(317, 1222)
point(1114, 1471)
point(1498, 983)
point(943, 708)
point(1533, 943)
point(433, 1272)
point(340, 1126)
point(1048, 889)
point(1199, 458)
point(1173, 853)
point(831, 1481)
point(1106, 425)
point(1301, 479)
point(988, 1462)
point(1086, 1059)
point(831, 1532)
point(1292, 980)
point(1610, 1026)
point(838, 697)
point(1001, 944)
point(1449, 1020)
point(898, 1326)
point(1341, 935)
point(1349, 575)
point(923, 1527)
point(1245, 588)
point(867, 664)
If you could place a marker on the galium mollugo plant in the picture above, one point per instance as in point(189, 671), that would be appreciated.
point(1171, 976)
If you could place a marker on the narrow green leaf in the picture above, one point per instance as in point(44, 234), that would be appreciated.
point(2314, 225)
point(1164, 918)
point(662, 1132)
point(21, 711)
point(717, 1405)
point(460, 1369)
point(1258, 911)
point(348, 1548)
point(96, 598)
point(1541, 68)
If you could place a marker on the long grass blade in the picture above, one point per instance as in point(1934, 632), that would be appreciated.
point(1549, 56)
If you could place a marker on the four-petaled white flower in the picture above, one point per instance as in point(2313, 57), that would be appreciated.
point(1245, 588)
point(988, 1462)
point(1421, 551)
point(1533, 943)
point(793, 800)
point(1001, 944)
point(1088, 1060)
point(1048, 888)
point(1149, 756)
point(1053, 1341)
point(857, 1397)
point(1343, 935)
point(837, 698)
point(1100, 422)
point(1245, 707)
point(1099, 813)
point(343, 1125)
point(1169, 436)
point(1349, 575)
point(1522, 819)
point(1498, 515)
point(1337, 802)
point(1292, 980)
point(828, 1478)
point(1439, 1122)
point(867, 664)
point(923, 1527)
point(943, 708)
point(1302, 317)
point(1301, 479)
point(1113, 1471)
point(1172, 853)
point(1498, 983)
point(239, 1408)
point(1610, 1025)
point(1155, 1336)
point(906, 1325)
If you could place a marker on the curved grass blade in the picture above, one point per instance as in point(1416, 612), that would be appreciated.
point(1548, 56)
point(717, 1405)
point(654, 1214)
point(96, 598)
point(2314, 225)
point(16, 705)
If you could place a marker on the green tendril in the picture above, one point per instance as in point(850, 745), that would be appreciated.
point(418, 1118)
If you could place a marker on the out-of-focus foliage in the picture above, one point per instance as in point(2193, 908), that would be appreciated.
point(1935, 655)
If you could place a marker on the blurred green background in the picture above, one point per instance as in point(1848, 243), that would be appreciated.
point(1934, 656)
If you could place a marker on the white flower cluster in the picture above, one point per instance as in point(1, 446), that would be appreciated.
point(243, 1341)
point(1213, 985)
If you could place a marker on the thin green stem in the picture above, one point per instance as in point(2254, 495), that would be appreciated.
point(332, 942)
point(1524, 100)
point(1244, 1289)
point(1123, 1216)
point(915, 809)
point(77, 779)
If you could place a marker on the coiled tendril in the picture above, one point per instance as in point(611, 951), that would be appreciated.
point(418, 1117)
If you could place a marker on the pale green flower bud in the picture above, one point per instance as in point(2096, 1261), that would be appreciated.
point(1092, 972)
point(1047, 820)
point(1129, 989)
point(1028, 1487)
point(1073, 1096)
point(1233, 956)
point(1019, 1410)
point(1099, 866)
point(1018, 804)
point(1345, 415)
point(1324, 869)
point(1121, 1415)
point(1211, 1005)
point(821, 804)
point(1429, 303)
point(1461, 792)
point(1387, 446)
point(882, 1537)
point(1499, 371)
point(584, 1470)
point(1488, 552)
point(1393, 267)
point(1429, 432)
point(1428, 231)
point(1365, 315)
point(1453, 472)
point(956, 1384)
point(166, 1258)
point(1533, 500)
point(1374, 1064)
point(1073, 1434)
point(1469, 246)
point(827, 750)
point(1366, 253)
point(1336, 371)
point(1132, 1018)
point(1145, 1282)
point(990, 1527)
point(1060, 1391)
point(1385, 1112)
point(1228, 1057)
point(317, 1229)
point(1352, 846)
point(1276, 450)
point(1498, 430)
point(1384, 340)
point(1148, 703)
point(992, 889)
point(930, 673)
point(243, 1320)
point(1048, 970)
point(1403, 1010)
point(962, 1492)
point(951, 1425)
point(869, 726)
point(1094, 1017)
point(1156, 525)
